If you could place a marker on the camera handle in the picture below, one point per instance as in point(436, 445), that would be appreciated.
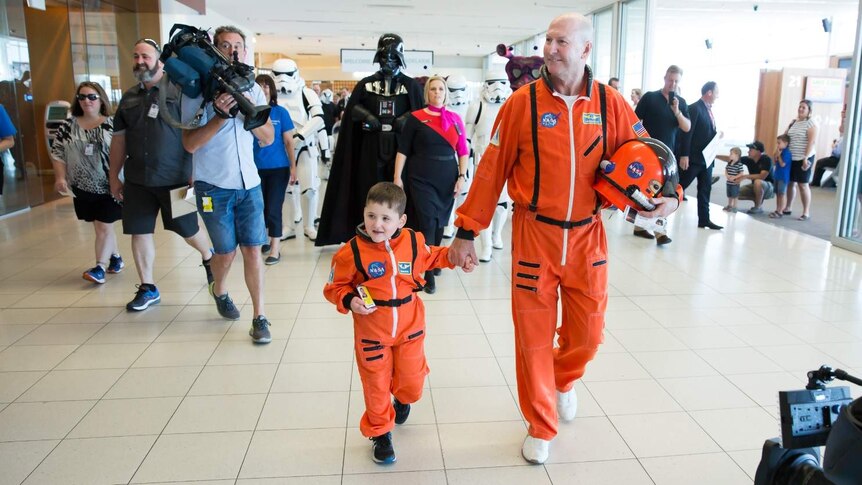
point(817, 379)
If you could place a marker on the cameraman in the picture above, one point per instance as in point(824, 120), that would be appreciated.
point(227, 186)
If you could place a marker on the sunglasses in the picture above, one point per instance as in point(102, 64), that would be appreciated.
point(91, 97)
point(150, 42)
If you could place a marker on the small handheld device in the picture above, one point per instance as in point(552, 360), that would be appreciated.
point(365, 296)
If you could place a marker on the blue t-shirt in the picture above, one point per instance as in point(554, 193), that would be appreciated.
point(783, 173)
point(273, 155)
point(6, 126)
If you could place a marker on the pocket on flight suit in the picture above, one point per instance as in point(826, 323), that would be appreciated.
point(526, 277)
point(597, 276)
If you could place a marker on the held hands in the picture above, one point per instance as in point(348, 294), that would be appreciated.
point(357, 307)
point(664, 206)
point(462, 253)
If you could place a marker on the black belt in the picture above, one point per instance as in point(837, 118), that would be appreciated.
point(394, 303)
point(564, 224)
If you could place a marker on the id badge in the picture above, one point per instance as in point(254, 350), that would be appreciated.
point(365, 295)
point(154, 111)
point(89, 149)
point(207, 203)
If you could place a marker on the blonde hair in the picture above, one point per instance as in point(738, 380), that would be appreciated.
point(736, 150)
point(445, 88)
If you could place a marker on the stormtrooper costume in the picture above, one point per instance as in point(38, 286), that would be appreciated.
point(480, 120)
point(312, 143)
point(459, 102)
point(329, 111)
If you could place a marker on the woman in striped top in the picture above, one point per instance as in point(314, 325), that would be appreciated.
point(803, 134)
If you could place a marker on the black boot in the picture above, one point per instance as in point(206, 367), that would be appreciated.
point(430, 284)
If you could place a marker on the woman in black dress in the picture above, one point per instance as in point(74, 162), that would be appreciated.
point(432, 151)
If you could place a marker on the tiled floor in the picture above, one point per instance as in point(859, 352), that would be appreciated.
point(700, 336)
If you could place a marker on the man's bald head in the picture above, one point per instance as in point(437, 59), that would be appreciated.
point(580, 27)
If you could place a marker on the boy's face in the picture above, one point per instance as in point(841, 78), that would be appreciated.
point(734, 156)
point(782, 144)
point(381, 221)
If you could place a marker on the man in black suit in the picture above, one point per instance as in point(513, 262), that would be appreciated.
point(691, 162)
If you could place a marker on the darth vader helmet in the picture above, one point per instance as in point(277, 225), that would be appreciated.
point(390, 54)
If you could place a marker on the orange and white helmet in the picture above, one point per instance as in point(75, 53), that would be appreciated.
point(641, 169)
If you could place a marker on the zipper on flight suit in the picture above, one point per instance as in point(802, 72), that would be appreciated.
point(394, 288)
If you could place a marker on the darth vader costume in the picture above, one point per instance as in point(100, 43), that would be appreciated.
point(367, 142)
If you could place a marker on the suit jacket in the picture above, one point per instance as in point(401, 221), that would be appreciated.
point(698, 137)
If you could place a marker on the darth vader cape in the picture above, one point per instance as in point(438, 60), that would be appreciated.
point(355, 164)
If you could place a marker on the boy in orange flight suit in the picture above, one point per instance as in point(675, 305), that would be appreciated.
point(384, 264)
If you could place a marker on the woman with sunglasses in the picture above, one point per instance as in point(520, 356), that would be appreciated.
point(80, 158)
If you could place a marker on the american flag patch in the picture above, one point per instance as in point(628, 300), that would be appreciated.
point(639, 129)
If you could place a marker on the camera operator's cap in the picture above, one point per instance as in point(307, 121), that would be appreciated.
point(757, 146)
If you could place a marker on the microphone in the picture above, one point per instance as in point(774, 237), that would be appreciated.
point(670, 96)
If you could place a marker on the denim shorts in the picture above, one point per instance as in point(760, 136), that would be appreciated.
point(732, 191)
point(780, 187)
point(236, 216)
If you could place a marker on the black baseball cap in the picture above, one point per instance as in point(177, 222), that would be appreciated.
point(757, 146)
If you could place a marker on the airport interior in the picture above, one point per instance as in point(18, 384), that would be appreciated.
point(700, 335)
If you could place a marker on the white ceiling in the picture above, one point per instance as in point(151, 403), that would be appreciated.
point(448, 27)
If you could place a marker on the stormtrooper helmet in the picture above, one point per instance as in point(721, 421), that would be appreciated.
point(457, 85)
point(286, 75)
point(326, 96)
point(496, 88)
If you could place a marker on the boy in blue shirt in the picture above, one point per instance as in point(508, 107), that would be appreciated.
point(781, 174)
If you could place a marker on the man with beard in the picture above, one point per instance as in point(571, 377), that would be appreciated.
point(151, 153)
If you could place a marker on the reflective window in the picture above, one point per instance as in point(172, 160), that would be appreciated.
point(632, 41)
point(603, 25)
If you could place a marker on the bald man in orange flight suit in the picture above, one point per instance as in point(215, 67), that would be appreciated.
point(570, 123)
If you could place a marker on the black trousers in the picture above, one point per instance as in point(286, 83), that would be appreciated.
point(273, 183)
point(703, 175)
point(820, 169)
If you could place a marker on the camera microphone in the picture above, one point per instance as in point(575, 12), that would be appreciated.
point(670, 96)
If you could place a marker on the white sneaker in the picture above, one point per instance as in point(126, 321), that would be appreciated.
point(288, 232)
point(535, 450)
point(567, 404)
point(311, 233)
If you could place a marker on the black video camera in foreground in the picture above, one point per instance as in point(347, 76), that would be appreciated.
point(811, 418)
point(194, 64)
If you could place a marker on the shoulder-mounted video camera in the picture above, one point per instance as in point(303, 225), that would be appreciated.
point(194, 64)
point(810, 418)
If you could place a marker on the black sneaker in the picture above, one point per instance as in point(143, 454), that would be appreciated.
point(383, 451)
point(260, 330)
point(208, 269)
point(402, 411)
point(116, 264)
point(224, 305)
point(147, 295)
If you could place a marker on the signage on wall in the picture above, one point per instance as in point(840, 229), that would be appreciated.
point(824, 89)
point(362, 60)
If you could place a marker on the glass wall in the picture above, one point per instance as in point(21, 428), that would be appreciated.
point(632, 45)
point(18, 174)
point(848, 233)
point(603, 26)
